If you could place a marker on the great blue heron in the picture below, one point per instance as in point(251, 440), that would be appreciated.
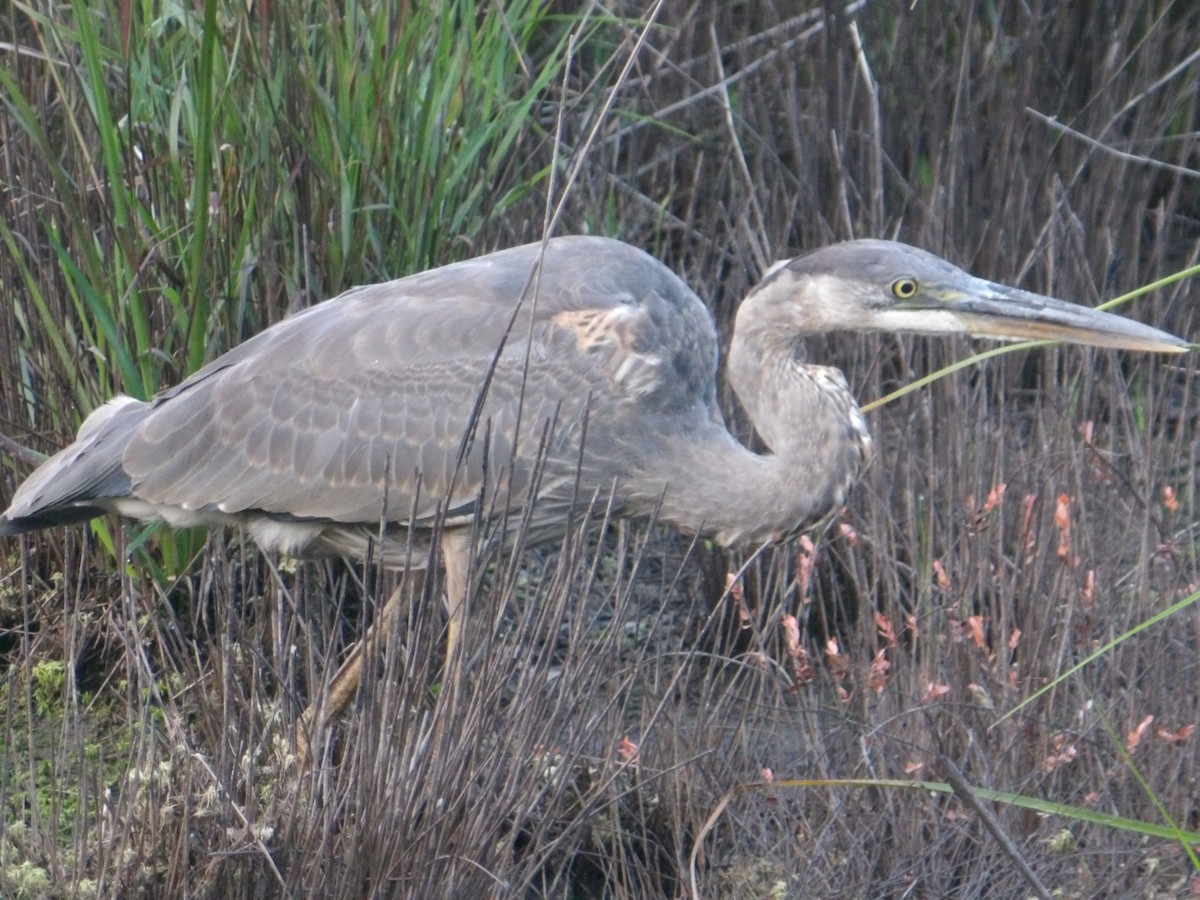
point(578, 373)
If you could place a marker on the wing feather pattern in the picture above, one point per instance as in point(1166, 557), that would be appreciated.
point(367, 395)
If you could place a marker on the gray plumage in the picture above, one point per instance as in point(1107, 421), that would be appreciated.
point(444, 392)
point(578, 375)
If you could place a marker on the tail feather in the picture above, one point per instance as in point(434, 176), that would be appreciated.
point(66, 487)
point(48, 519)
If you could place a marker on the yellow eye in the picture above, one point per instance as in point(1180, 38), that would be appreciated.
point(904, 288)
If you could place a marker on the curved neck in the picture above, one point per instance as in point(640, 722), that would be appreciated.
point(805, 414)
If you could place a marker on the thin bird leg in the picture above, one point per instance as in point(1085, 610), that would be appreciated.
point(346, 681)
point(456, 555)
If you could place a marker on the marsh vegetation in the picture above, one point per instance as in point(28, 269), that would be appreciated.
point(177, 177)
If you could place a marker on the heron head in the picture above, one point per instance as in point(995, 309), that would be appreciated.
point(873, 285)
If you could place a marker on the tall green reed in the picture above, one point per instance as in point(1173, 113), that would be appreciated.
point(214, 166)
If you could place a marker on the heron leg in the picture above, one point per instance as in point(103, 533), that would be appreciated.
point(456, 553)
point(346, 680)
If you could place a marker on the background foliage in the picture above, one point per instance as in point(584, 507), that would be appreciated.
point(177, 177)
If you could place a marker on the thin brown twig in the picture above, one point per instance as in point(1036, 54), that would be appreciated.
point(1112, 151)
point(963, 791)
point(20, 452)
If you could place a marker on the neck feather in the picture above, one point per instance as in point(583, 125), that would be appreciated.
point(806, 416)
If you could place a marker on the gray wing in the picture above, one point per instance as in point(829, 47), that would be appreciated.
point(369, 396)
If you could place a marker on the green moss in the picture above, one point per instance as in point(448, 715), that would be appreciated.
point(25, 881)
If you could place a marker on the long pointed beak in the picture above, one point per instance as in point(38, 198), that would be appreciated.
point(998, 311)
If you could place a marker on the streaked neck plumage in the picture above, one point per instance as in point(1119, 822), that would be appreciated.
point(804, 413)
